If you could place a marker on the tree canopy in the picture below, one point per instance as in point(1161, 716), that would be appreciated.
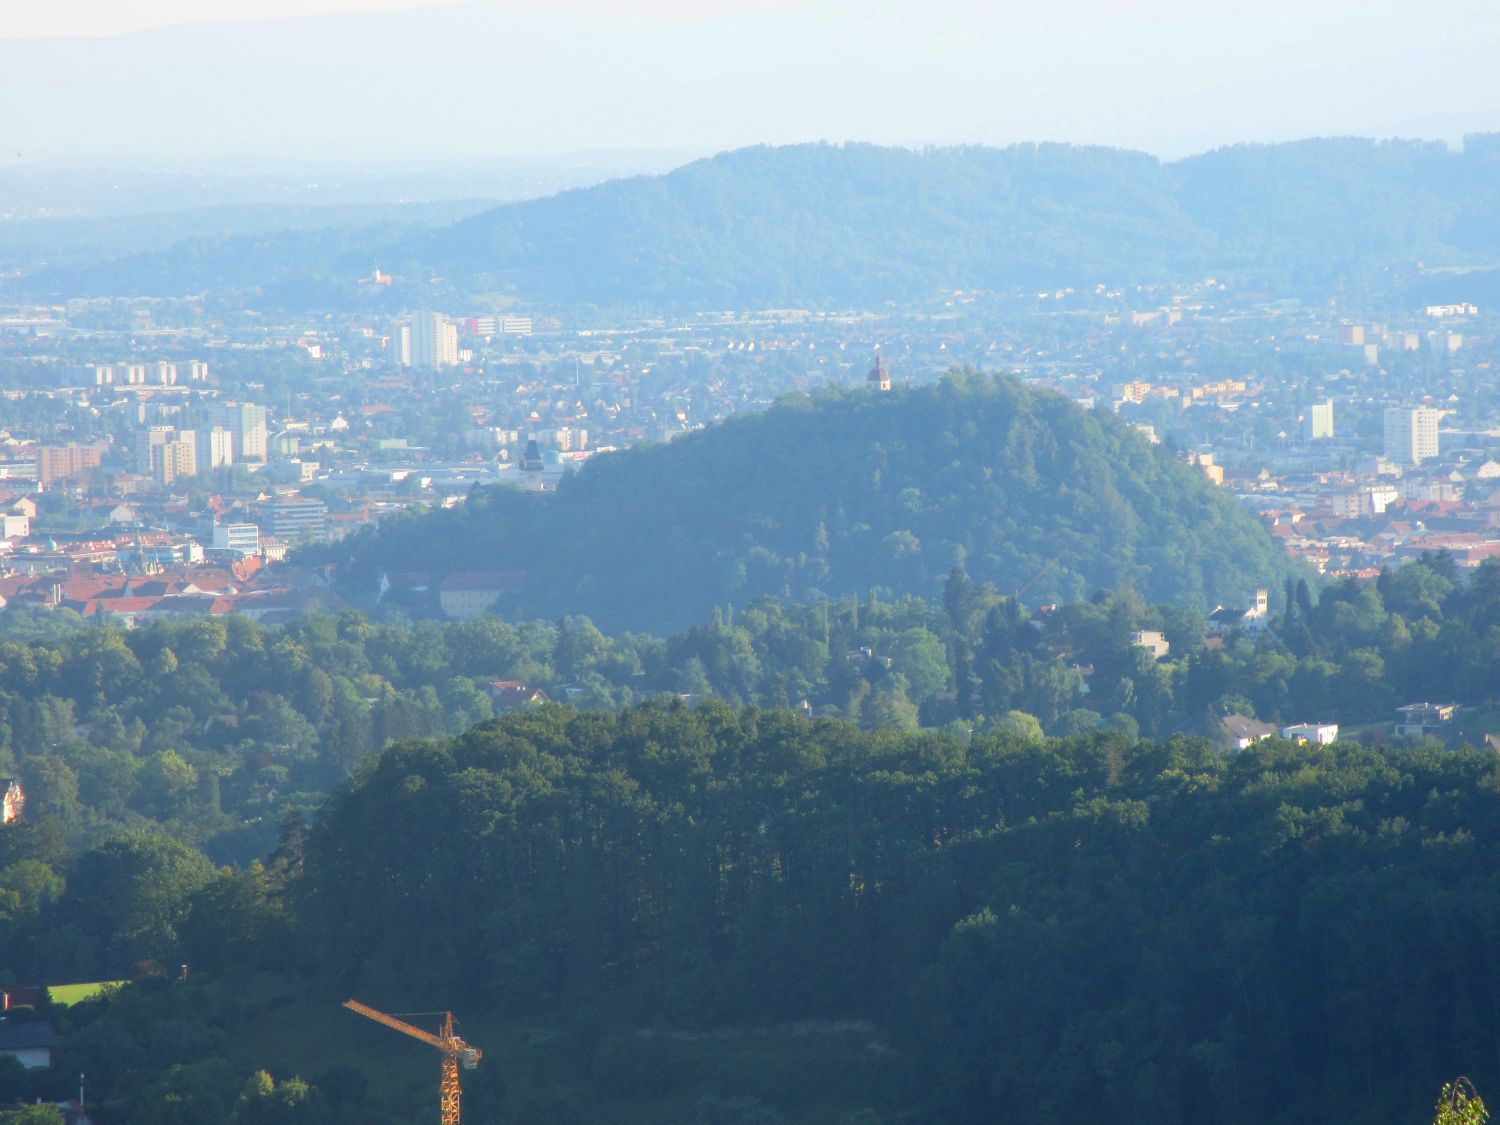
point(842, 493)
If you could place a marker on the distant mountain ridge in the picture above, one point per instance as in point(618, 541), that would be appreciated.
point(827, 225)
point(842, 494)
point(859, 224)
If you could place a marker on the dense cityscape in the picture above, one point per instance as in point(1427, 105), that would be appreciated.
point(157, 438)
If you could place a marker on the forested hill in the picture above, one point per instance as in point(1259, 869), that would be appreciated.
point(845, 493)
point(1076, 931)
point(859, 224)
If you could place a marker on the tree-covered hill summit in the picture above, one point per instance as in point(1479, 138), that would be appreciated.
point(848, 492)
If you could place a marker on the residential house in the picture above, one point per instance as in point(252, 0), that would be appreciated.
point(1252, 620)
point(508, 695)
point(1420, 719)
point(29, 1043)
point(28, 997)
point(1319, 734)
point(1152, 641)
point(1226, 729)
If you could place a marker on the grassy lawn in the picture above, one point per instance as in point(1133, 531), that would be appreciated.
point(78, 993)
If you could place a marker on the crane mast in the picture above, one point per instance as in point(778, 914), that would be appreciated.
point(447, 1040)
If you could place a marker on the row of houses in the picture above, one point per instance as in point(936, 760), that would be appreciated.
point(178, 594)
point(1231, 731)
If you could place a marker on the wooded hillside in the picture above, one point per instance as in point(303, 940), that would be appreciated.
point(846, 492)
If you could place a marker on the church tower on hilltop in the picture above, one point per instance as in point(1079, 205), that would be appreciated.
point(879, 377)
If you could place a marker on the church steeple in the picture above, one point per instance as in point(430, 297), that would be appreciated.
point(879, 377)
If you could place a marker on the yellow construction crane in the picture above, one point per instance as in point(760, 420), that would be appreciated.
point(455, 1051)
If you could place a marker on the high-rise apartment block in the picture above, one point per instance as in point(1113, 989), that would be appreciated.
point(64, 462)
point(426, 340)
point(161, 373)
point(401, 345)
point(1411, 433)
point(247, 423)
point(168, 454)
point(215, 448)
point(1317, 421)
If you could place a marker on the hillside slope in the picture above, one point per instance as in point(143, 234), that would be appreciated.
point(845, 493)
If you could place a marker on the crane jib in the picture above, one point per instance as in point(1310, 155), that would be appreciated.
point(455, 1053)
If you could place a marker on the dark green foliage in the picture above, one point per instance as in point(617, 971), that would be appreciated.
point(1180, 935)
point(839, 494)
point(1084, 929)
point(1460, 1104)
point(265, 1101)
point(32, 1115)
point(132, 892)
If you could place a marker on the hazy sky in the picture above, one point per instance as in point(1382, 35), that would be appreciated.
point(355, 80)
point(110, 17)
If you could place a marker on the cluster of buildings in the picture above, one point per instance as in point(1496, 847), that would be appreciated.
point(177, 593)
point(238, 433)
point(1389, 457)
point(231, 433)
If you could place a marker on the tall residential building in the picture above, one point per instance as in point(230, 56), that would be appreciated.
point(428, 340)
point(179, 458)
point(150, 438)
point(215, 448)
point(401, 345)
point(247, 423)
point(63, 462)
point(1317, 421)
point(1411, 433)
point(168, 454)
